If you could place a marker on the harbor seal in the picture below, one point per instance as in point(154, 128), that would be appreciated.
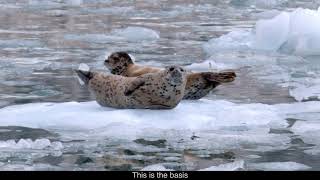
point(161, 90)
point(198, 84)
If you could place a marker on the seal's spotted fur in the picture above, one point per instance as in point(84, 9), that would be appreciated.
point(161, 90)
point(198, 84)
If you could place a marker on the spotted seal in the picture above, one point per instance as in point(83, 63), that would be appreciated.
point(161, 90)
point(198, 84)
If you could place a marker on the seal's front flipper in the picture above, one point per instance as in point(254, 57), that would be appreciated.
point(222, 77)
point(85, 76)
point(134, 86)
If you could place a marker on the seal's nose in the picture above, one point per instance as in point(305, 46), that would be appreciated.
point(106, 61)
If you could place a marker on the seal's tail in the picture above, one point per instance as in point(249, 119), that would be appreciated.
point(222, 77)
point(85, 76)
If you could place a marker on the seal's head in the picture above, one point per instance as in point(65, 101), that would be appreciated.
point(176, 75)
point(118, 62)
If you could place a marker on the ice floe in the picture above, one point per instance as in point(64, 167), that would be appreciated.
point(308, 130)
point(304, 93)
point(214, 121)
point(294, 32)
point(137, 34)
point(89, 115)
point(155, 167)
point(279, 166)
point(23, 144)
point(234, 166)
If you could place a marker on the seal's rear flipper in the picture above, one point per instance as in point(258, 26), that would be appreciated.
point(85, 76)
point(222, 77)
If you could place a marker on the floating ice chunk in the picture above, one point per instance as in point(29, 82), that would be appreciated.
point(235, 40)
point(29, 144)
point(234, 166)
point(303, 93)
point(279, 166)
point(309, 132)
point(137, 34)
point(171, 158)
point(220, 118)
point(253, 156)
point(208, 115)
point(155, 167)
point(296, 33)
point(271, 34)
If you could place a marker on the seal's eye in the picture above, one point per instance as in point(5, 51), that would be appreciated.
point(171, 69)
point(182, 70)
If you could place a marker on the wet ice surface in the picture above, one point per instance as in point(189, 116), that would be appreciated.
point(268, 117)
point(209, 135)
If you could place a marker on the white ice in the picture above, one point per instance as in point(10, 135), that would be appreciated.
point(234, 166)
point(155, 167)
point(294, 32)
point(226, 125)
point(309, 131)
point(306, 92)
point(279, 166)
point(137, 34)
point(89, 115)
point(37, 144)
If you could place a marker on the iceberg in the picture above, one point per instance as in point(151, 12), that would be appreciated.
point(294, 32)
